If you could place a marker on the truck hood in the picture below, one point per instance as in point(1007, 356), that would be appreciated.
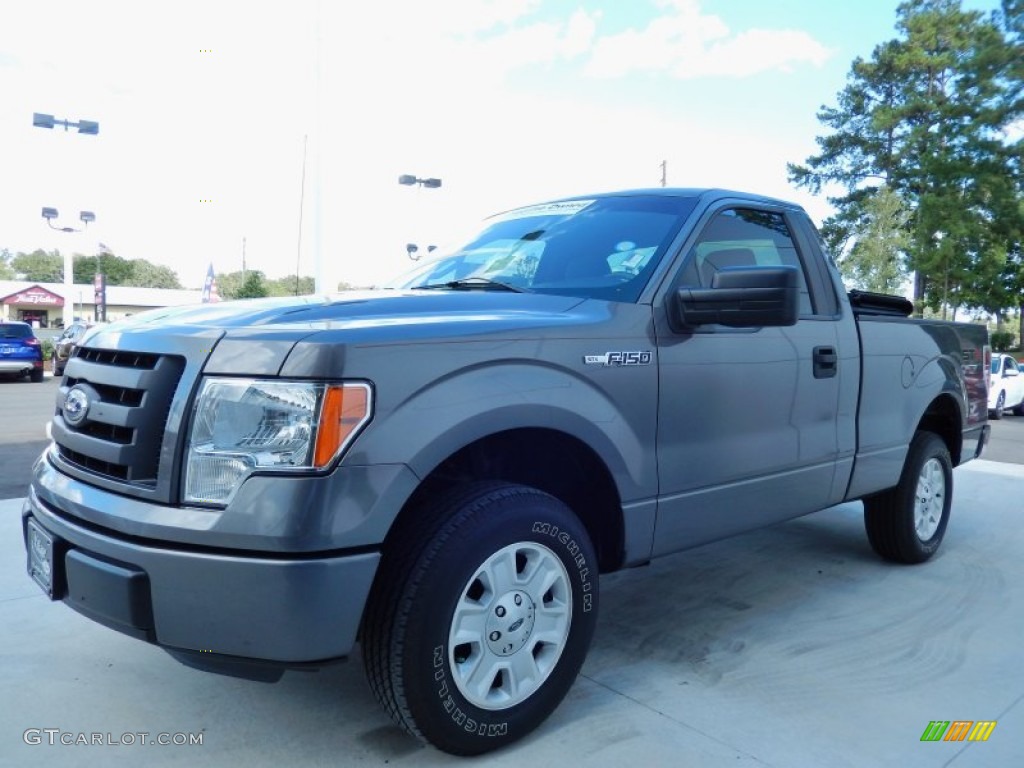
point(256, 336)
point(358, 310)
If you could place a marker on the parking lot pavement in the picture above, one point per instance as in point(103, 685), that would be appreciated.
point(792, 646)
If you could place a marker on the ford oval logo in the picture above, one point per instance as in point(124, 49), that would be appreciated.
point(76, 406)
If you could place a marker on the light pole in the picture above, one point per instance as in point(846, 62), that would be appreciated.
point(86, 217)
point(87, 128)
point(409, 180)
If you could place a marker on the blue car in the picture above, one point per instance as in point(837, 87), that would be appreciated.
point(20, 351)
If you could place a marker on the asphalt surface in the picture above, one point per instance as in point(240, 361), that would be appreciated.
point(24, 410)
point(1007, 443)
point(791, 646)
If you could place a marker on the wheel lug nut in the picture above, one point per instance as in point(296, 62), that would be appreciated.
point(495, 636)
point(500, 610)
point(519, 600)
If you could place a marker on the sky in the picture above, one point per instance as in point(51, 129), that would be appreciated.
point(278, 130)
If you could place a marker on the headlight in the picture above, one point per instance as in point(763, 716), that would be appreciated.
point(240, 426)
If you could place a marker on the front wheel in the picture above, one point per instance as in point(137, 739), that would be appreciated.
point(477, 626)
point(906, 524)
point(997, 412)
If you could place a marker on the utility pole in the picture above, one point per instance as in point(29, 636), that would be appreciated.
point(302, 200)
point(243, 257)
point(664, 172)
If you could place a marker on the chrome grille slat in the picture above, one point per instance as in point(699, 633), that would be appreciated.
point(130, 398)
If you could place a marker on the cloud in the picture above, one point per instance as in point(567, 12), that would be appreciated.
point(686, 43)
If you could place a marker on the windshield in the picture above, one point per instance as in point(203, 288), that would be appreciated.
point(595, 248)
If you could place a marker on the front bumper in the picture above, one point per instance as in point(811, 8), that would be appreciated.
point(283, 609)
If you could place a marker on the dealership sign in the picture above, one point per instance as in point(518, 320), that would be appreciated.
point(37, 295)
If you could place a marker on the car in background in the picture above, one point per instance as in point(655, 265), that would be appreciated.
point(20, 351)
point(1006, 389)
point(64, 345)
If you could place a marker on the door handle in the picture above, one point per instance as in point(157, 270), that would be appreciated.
point(826, 362)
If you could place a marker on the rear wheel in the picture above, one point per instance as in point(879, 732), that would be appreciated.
point(36, 375)
point(906, 524)
point(480, 620)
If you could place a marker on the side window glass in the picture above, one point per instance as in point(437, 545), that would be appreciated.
point(744, 237)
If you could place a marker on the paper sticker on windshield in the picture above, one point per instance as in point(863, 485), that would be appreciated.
point(565, 208)
point(617, 359)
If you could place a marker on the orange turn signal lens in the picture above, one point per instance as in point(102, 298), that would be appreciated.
point(345, 410)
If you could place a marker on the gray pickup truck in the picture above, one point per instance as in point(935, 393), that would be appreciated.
point(440, 470)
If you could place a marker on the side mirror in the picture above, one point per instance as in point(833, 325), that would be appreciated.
point(741, 297)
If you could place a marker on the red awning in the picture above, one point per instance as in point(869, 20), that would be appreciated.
point(35, 295)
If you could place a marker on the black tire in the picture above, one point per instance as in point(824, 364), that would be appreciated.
point(436, 572)
point(903, 527)
point(1019, 409)
point(36, 375)
point(56, 367)
point(997, 413)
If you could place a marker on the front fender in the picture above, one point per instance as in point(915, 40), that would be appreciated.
point(613, 412)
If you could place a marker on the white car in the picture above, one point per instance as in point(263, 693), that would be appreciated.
point(1006, 389)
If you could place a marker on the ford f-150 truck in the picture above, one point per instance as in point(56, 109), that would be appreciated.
point(440, 470)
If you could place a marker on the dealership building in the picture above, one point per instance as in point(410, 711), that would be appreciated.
point(43, 304)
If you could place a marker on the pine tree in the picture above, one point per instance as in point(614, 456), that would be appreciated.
point(926, 117)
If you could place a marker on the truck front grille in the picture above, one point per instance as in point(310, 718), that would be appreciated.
point(129, 397)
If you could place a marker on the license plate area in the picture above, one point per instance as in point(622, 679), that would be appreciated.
point(42, 559)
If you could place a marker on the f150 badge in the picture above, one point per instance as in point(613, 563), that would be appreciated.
point(618, 359)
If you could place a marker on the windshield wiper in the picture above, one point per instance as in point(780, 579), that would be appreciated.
point(470, 283)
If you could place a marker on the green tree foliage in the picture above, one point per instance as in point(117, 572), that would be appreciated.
point(135, 272)
point(882, 238)
point(1013, 274)
point(288, 286)
point(252, 286)
point(39, 266)
point(6, 270)
point(927, 117)
point(229, 283)
point(117, 270)
point(148, 275)
point(237, 285)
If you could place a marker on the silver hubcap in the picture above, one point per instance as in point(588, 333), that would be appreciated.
point(929, 499)
point(510, 626)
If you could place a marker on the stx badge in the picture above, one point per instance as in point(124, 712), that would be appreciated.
point(618, 359)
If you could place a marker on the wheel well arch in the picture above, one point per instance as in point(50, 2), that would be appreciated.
point(943, 417)
point(552, 461)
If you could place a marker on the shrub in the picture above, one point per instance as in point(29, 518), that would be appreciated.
point(1001, 340)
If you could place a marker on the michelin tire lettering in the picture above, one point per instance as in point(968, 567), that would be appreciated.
point(460, 718)
point(573, 548)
